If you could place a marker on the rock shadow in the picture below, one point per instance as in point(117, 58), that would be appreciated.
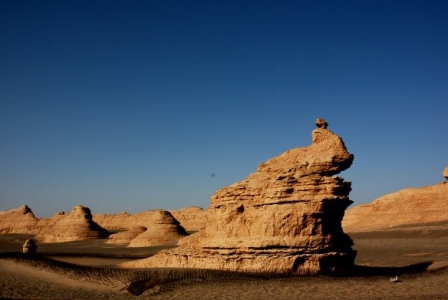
point(369, 271)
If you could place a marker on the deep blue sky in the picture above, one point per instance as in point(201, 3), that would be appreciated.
point(133, 105)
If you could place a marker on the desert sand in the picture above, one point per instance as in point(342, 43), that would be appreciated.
point(418, 257)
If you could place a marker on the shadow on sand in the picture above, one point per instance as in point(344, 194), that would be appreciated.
point(138, 281)
point(369, 271)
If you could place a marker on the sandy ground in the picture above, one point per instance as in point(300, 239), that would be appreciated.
point(380, 253)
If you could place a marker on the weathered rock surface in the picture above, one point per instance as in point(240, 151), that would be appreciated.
point(74, 226)
point(191, 218)
point(111, 222)
point(427, 204)
point(284, 217)
point(125, 237)
point(148, 228)
point(61, 227)
point(19, 220)
point(161, 228)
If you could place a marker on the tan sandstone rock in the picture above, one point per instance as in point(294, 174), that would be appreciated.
point(74, 226)
point(148, 228)
point(445, 173)
point(408, 206)
point(161, 228)
point(125, 237)
point(112, 222)
point(19, 220)
point(191, 218)
point(284, 217)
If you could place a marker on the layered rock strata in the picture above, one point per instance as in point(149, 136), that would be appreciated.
point(19, 220)
point(74, 226)
point(285, 217)
point(411, 206)
point(191, 218)
point(148, 228)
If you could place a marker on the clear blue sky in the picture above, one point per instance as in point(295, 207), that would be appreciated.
point(133, 105)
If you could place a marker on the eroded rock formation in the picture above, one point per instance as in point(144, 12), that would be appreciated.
point(74, 226)
point(61, 227)
point(19, 220)
point(121, 221)
point(126, 236)
point(427, 204)
point(284, 217)
point(148, 228)
point(445, 173)
point(191, 218)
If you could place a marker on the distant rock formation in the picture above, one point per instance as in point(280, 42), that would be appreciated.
point(161, 228)
point(445, 173)
point(74, 226)
point(112, 222)
point(125, 237)
point(19, 220)
point(408, 206)
point(191, 218)
point(148, 228)
point(77, 225)
point(284, 217)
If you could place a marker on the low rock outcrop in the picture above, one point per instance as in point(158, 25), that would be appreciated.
point(161, 228)
point(191, 218)
point(112, 222)
point(284, 217)
point(148, 228)
point(126, 236)
point(19, 220)
point(74, 226)
point(427, 204)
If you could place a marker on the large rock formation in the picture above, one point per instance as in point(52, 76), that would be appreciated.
point(191, 218)
point(284, 217)
point(427, 204)
point(74, 226)
point(19, 220)
point(148, 228)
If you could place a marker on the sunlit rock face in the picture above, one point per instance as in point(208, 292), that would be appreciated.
point(77, 225)
point(284, 217)
point(20, 220)
point(410, 207)
point(191, 218)
point(148, 228)
point(74, 226)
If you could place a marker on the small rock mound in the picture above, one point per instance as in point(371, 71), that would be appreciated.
point(125, 237)
point(160, 227)
point(29, 247)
